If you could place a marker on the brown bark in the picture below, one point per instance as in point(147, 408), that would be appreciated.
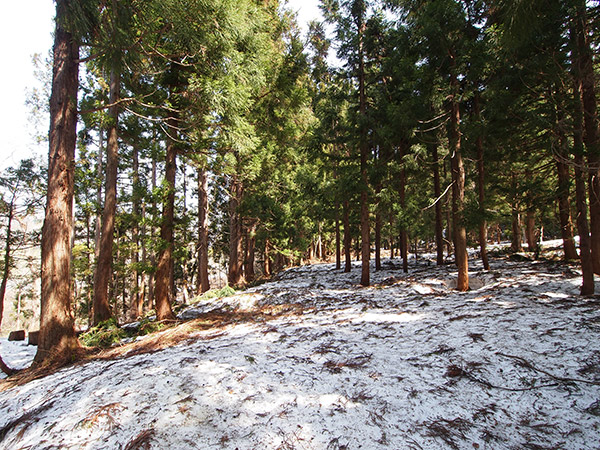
point(338, 245)
point(267, 258)
point(7, 256)
point(5, 274)
point(137, 302)
point(57, 339)
point(587, 87)
point(585, 244)
point(458, 190)
point(437, 190)
point(531, 231)
point(564, 209)
point(364, 218)
point(347, 238)
point(378, 225)
point(163, 287)
point(235, 276)
point(101, 305)
point(403, 233)
point(516, 245)
point(203, 282)
point(481, 189)
point(98, 232)
point(250, 252)
point(151, 279)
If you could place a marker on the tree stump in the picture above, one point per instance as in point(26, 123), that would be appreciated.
point(18, 335)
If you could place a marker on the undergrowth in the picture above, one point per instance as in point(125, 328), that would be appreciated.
point(225, 291)
point(103, 335)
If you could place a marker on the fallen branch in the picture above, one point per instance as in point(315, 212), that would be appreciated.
point(529, 365)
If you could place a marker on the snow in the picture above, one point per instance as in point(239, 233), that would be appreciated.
point(16, 354)
point(405, 364)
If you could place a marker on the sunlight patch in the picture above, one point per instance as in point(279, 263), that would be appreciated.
point(388, 318)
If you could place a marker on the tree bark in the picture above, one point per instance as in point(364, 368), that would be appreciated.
point(235, 276)
point(481, 188)
point(267, 258)
point(163, 288)
point(7, 256)
point(250, 252)
point(365, 231)
point(564, 209)
point(57, 339)
point(458, 189)
point(378, 225)
point(338, 244)
point(439, 226)
point(530, 231)
point(516, 245)
point(203, 281)
point(347, 238)
point(585, 244)
point(137, 302)
point(403, 232)
point(101, 305)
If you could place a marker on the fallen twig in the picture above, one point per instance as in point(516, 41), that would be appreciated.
point(529, 365)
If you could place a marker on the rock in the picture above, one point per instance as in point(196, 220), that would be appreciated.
point(34, 337)
point(17, 335)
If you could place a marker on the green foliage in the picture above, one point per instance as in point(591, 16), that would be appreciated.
point(225, 291)
point(104, 335)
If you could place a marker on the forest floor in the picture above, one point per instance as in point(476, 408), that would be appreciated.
point(312, 360)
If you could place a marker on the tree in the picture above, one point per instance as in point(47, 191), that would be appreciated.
point(20, 195)
point(57, 339)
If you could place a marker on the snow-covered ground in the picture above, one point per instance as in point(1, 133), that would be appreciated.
point(405, 364)
point(16, 354)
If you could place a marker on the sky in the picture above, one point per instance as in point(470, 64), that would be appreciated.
point(27, 30)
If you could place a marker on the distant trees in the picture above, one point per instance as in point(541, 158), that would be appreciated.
point(214, 142)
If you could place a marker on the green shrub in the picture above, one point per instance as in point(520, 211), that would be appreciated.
point(103, 335)
point(148, 326)
point(225, 291)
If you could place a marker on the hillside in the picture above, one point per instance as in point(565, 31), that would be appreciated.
point(314, 361)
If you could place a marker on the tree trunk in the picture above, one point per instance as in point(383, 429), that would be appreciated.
point(98, 232)
point(531, 231)
point(5, 274)
point(403, 232)
point(439, 226)
point(7, 256)
point(203, 281)
point(378, 224)
point(267, 258)
point(101, 305)
point(338, 244)
point(347, 238)
point(136, 303)
point(481, 188)
point(564, 209)
point(516, 245)
point(585, 244)
point(586, 77)
point(235, 277)
point(250, 252)
point(458, 189)
point(365, 231)
point(163, 288)
point(57, 339)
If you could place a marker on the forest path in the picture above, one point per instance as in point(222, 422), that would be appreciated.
point(314, 361)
